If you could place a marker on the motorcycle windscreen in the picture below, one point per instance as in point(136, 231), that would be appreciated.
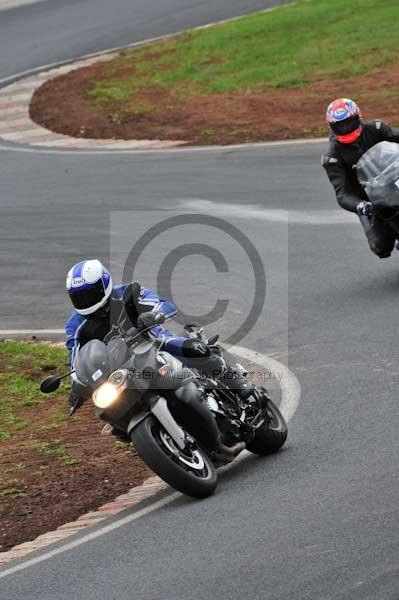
point(146, 364)
point(376, 160)
point(96, 360)
point(118, 353)
point(378, 173)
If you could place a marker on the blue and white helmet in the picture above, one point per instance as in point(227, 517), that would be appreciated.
point(89, 285)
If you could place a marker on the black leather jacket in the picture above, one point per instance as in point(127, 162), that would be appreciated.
point(340, 159)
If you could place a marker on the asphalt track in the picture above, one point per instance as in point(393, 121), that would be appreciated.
point(319, 521)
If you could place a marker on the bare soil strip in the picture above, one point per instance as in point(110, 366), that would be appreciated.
point(63, 105)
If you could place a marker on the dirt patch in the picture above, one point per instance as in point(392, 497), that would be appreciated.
point(51, 492)
point(54, 468)
point(64, 105)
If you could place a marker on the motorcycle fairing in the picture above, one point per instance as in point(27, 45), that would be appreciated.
point(96, 360)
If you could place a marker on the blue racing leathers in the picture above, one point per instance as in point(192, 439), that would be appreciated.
point(192, 352)
point(80, 329)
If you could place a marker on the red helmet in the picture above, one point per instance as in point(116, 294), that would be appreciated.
point(345, 121)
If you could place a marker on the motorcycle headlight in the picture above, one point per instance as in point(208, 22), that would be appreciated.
point(110, 391)
point(106, 395)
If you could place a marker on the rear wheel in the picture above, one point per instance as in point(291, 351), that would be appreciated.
point(189, 471)
point(270, 436)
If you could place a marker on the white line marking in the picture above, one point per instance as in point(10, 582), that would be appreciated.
point(290, 391)
point(275, 215)
point(91, 536)
point(25, 86)
point(8, 4)
point(176, 151)
point(31, 332)
point(290, 386)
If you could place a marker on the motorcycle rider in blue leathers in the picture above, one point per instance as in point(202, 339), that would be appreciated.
point(97, 305)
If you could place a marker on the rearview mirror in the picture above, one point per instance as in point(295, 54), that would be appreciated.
point(50, 384)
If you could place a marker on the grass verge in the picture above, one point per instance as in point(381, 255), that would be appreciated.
point(21, 368)
point(290, 46)
point(264, 76)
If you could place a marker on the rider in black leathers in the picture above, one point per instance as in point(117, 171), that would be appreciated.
point(350, 137)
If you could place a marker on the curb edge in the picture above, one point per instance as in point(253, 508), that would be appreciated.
point(150, 487)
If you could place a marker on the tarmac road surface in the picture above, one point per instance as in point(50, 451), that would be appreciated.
point(318, 521)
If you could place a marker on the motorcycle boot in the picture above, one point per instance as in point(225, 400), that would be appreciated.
point(203, 426)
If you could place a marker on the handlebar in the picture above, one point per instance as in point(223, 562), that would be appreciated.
point(130, 336)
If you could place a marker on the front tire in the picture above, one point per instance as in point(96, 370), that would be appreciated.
point(190, 472)
point(270, 437)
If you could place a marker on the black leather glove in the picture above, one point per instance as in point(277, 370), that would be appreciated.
point(365, 208)
point(150, 319)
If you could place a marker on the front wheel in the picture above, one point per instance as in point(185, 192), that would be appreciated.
point(270, 436)
point(189, 471)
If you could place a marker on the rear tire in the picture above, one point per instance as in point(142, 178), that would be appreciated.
point(190, 472)
point(269, 438)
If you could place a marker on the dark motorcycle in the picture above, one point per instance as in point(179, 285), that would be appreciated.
point(378, 173)
point(139, 389)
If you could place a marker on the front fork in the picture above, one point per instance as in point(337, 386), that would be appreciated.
point(159, 408)
point(186, 405)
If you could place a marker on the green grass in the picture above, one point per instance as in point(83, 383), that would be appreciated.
point(22, 366)
point(15, 467)
point(289, 46)
point(11, 492)
point(69, 462)
point(38, 355)
point(207, 132)
point(13, 481)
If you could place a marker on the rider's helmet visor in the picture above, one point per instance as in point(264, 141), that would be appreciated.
point(346, 126)
point(83, 299)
